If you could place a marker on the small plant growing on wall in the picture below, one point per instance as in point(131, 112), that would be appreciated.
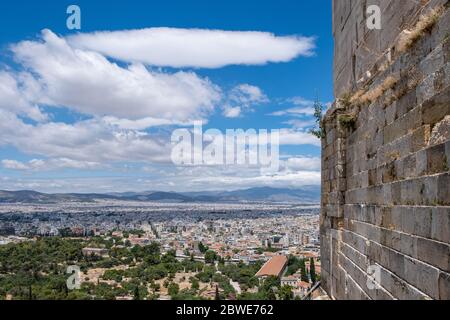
point(318, 131)
point(347, 121)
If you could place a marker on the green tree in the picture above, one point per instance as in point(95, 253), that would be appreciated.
point(137, 295)
point(312, 270)
point(304, 274)
point(173, 289)
point(169, 257)
point(202, 248)
point(285, 293)
point(210, 256)
point(217, 296)
point(195, 284)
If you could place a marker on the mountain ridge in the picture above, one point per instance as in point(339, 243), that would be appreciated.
point(307, 195)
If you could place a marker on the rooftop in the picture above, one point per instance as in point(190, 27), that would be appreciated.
point(273, 267)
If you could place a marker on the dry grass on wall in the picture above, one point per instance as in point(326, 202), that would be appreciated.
point(425, 24)
point(371, 95)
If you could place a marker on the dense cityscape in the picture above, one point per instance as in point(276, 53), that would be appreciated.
point(143, 250)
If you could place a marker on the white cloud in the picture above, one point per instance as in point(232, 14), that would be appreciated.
point(297, 111)
point(301, 124)
point(241, 99)
point(232, 112)
point(296, 137)
point(87, 82)
point(304, 163)
point(90, 140)
point(13, 98)
point(201, 48)
point(247, 95)
point(50, 164)
point(14, 165)
point(244, 179)
point(144, 123)
point(300, 101)
point(303, 107)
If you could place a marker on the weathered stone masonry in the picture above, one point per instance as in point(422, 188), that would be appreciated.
point(386, 153)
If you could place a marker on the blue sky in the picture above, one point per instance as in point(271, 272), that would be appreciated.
point(86, 111)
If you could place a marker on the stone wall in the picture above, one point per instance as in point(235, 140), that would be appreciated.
point(386, 154)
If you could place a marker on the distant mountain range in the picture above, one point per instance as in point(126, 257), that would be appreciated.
point(304, 195)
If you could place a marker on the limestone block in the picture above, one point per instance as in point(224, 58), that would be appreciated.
point(399, 288)
point(406, 103)
point(422, 276)
point(421, 221)
point(440, 224)
point(436, 159)
point(420, 138)
point(396, 193)
point(421, 162)
point(443, 189)
point(435, 109)
point(433, 62)
point(441, 131)
point(435, 253)
point(425, 91)
point(429, 190)
point(412, 190)
point(391, 113)
point(396, 263)
point(444, 286)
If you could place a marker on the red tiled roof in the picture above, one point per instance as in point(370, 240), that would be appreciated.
point(273, 267)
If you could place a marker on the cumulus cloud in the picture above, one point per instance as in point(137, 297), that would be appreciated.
point(13, 97)
point(89, 83)
point(247, 95)
point(91, 140)
point(241, 99)
point(198, 48)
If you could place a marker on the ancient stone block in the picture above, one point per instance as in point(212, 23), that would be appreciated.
point(435, 253)
point(428, 191)
point(440, 224)
point(406, 103)
point(436, 159)
point(433, 62)
point(420, 138)
point(444, 286)
point(435, 109)
point(399, 288)
point(441, 132)
point(443, 190)
point(422, 276)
